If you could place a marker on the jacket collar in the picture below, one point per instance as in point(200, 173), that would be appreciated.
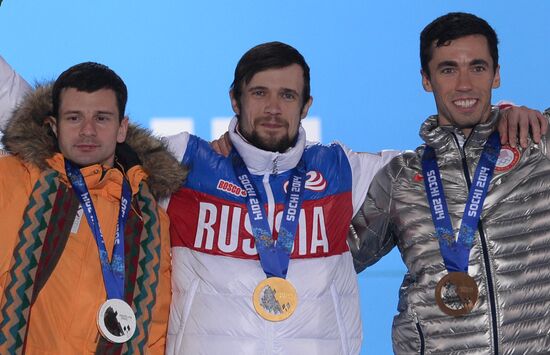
point(101, 178)
point(438, 136)
point(261, 162)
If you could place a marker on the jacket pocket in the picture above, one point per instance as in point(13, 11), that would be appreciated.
point(180, 309)
point(338, 312)
point(407, 335)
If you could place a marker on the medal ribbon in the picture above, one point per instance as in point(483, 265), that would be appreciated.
point(456, 251)
point(113, 272)
point(274, 254)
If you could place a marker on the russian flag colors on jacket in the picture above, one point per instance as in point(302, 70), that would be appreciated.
point(216, 266)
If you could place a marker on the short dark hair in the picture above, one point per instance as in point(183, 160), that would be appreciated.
point(266, 56)
point(452, 26)
point(90, 77)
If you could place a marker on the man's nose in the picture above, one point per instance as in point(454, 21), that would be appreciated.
point(273, 106)
point(464, 82)
point(88, 128)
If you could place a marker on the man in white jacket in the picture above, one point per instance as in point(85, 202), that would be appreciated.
point(234, 288)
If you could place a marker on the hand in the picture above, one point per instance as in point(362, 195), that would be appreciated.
point(520, 116)
point(222, 145)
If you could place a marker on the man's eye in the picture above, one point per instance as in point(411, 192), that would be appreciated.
point(479, 68)
point(71, 118)
point(102, 118)
point(288, 96)
point(447, 70)
point(258, 93)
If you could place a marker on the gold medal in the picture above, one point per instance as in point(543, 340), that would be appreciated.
point(275, 299)
point(456, 294)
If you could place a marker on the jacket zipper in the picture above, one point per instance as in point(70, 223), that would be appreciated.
point(484, 248)
point(420, 335)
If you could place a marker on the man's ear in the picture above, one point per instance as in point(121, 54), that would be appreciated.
point(305, 110)
point(426, 83)
point(234, 103)
point(122, 130)
point(52, 122)
point(496, 79)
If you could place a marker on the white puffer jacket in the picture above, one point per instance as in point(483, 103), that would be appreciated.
point(216, 267)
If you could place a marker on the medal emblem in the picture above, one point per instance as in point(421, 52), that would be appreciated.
point(116, 321)
point(456, 294)
point(275, 299)
point(507, 159)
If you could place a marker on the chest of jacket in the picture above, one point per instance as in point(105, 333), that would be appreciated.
point(209, 212)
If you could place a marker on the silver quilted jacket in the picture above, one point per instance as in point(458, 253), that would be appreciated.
point(510, 259)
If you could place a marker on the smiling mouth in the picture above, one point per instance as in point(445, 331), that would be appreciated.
point(465, 103)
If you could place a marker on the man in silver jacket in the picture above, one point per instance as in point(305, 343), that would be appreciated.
point(478, 290)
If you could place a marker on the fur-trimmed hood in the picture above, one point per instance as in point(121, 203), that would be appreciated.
point(28, 137)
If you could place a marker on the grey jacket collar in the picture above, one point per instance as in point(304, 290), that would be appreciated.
point(438, 136)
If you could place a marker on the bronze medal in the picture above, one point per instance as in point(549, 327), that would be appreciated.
point(456, 294)
point(275, 299)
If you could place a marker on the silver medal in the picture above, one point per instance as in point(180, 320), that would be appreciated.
point(116, 321)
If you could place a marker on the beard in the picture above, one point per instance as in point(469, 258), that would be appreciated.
point(271, 144)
